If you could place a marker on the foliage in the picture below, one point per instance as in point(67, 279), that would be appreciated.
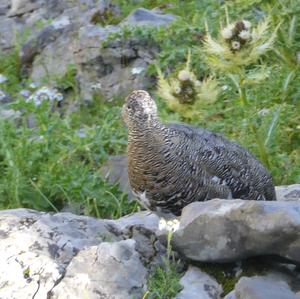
point(164, 282)
point(52, 164)
point(57, 162)
point(260, 99)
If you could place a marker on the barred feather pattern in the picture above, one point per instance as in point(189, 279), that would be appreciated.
point(175, 164)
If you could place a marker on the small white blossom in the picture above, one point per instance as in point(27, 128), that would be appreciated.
point(184, 75)
point(45, 94)
point(25, 93)
point(33, 85)
point(245, 35)
point(247, 24)
point(96, 86)
point(225, 87)
point(2, 78)
point(170, 225)
point(137, 70)
point(263, 112)
point(235, 45)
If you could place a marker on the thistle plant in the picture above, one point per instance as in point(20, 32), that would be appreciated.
point(184, 93)
point(238, 47)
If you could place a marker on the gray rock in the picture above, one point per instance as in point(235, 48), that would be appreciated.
point(115, 171)
point(110, 66)
point(146, 219)
point(8, 33)
point(20, 7)
point(230, 230)
point(145, 17)
point(44, 255)
point(287, 193)
point(47, 35)
point(197, 284)
point(262, 287)
point(111, 270)
point(36, 248)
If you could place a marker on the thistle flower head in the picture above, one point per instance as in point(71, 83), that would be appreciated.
point(240, 44)
point(184, 75)
point(245, 35)
point(247, 24)
point(235, 45)
point(227, 33)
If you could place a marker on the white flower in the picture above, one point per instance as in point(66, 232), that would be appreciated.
point(245, 35)
point(225, 87)
point(33, 85)
point(247, 24)
point(96, 86)
point(137, 70)
point(170, 225)
point(2, 78)
point(25, 93)
point(184, 75)
point(45, 94)
point(235, 45)
point(263, 112)
point(227, 33)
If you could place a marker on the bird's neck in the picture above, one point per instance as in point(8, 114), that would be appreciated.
point(145, 131)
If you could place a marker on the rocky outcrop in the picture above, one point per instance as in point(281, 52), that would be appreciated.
point(263, 287)
point(230, 230)
point(197, 284)
point(44, 255)
point(110, 270)
point(69, 256)
point(56, 34)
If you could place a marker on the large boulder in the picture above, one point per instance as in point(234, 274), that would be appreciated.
point(230, 230)
point(263, 287)
point(197, 284)
point(45, 255)
point(110, 270)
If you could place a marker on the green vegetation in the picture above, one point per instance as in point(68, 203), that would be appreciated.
point(164, 281)
point(254, 100)
point(56, 161)
point(51, 164)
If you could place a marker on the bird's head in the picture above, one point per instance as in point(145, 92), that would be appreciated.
point(139, 107)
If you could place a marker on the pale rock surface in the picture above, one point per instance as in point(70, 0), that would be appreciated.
point(287, 193)
point(262, 287)
point(197, 284)
point(230, 230)
point(111, 270)
point(145, 17)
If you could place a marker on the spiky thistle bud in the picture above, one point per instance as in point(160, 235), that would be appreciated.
point(184, 75)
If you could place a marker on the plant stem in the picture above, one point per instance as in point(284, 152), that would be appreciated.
point(261, 146)
point(243, 96)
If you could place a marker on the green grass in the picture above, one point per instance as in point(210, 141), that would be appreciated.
point(50, 165)
point(164, 282)
point(56, 163)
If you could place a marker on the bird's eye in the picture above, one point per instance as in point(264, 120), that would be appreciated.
point(130, 106)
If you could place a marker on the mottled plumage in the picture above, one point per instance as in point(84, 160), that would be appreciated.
point(172, 165)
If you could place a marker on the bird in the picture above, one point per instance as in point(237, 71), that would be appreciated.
point(173, 165)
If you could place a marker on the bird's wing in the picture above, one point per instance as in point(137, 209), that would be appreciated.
point(223, 162)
